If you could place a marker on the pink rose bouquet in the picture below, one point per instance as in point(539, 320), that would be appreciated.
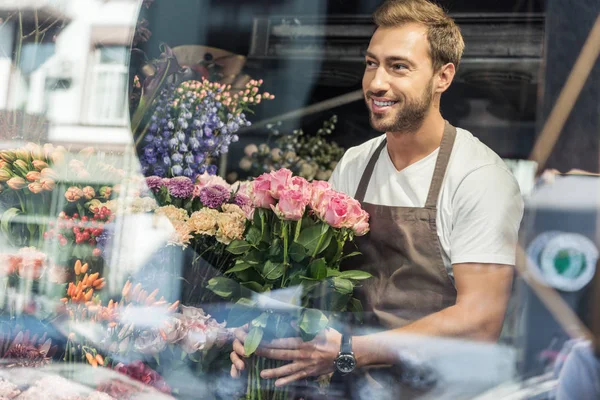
point(296, 238)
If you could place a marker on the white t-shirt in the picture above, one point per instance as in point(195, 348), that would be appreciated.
point(479, 209)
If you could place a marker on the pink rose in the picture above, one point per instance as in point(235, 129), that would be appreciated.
point(291, 205)
point(261, 191)
point(361, 227)
point(334, 209)
point(318, 189)
point(354, 212)
point(280, 179)
point(301, 184)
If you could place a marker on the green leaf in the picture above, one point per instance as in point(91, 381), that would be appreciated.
point(356, 307)
point(253, 236)
point(355, 274)
point(309, 238)
point(238, 247)
point(331, 252)
point(297, 252)
point(240, 265)
point(342, 285)
point(242, 313)
point(315, 238)
point(354, 253)
point(276, 249)
point(272, 270)
point(222, 286)
point(252, 341)
point(318, 269)
point(332, 272)
point(260, 321)
point(254, 257)
point(254, 286)
point(312, 321)
point(327, 235)
point(6, 219)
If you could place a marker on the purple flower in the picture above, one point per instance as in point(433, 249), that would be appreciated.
point(212, 169)
point(214, 196)
point(242, 200)
point(154, 183)
point(177, 170)
point(181, 187)
point(188, 172)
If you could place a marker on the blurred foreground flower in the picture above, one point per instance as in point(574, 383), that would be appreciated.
point(24, 350)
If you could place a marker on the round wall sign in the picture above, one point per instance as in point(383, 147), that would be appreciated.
point(568, 261)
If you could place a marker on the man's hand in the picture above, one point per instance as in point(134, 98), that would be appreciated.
point(312, 358)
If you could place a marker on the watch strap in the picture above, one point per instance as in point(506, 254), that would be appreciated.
point(346, 346)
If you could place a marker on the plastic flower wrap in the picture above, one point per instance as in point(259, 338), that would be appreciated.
point(308, 156)
point(192, 124)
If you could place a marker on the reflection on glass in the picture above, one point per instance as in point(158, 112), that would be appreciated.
point(183, 214)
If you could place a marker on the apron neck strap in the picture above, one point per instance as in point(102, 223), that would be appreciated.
point(361, 191)
point(441, 165)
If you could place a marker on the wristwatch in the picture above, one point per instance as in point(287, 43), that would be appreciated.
point(345, 361)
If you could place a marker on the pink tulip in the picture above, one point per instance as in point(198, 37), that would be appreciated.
point(35, 187)
point(39, 164)
point(291, 205)
point(32, 176)
point(16, 183)
point(89, 192)
point(73, 194)
point(48, 184)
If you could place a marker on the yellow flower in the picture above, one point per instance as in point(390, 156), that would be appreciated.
point(173, 213)
point(204, 222)
point(231, 227)
point(5, 175)
point(235, 210)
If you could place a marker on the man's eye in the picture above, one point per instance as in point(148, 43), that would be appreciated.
point(370, 63)
point(399, 67)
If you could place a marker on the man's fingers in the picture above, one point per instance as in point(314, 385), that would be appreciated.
point(237, 361)
point(238, 348)
point(286, 370)
point(240, 334)
point(289, 379)
point(234, 372)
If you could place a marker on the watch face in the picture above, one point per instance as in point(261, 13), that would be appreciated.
point(345, 363)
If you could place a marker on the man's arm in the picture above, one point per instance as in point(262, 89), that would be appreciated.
point(483, 291)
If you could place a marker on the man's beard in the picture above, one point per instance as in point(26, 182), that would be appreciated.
point(408, 118)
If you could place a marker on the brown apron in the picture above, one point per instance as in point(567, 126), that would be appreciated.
point(403, 253)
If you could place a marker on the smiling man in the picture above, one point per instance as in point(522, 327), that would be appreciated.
point(445, 210)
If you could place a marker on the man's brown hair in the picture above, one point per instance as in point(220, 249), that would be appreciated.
point(446, 43)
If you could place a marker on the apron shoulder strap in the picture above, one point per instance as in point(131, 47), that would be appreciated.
point(361, 191)
point(441, 165)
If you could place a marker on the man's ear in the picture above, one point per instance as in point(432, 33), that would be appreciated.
point(444, 77)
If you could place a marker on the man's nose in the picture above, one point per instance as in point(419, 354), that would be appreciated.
point(380, 81)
